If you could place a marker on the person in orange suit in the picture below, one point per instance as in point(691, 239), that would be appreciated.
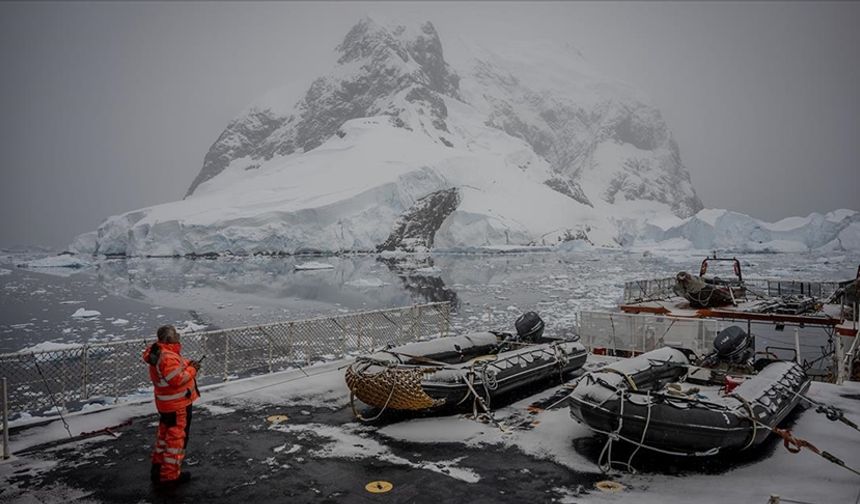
point(175, 381)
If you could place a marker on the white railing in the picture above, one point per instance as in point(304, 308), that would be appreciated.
point(638, 291)
point(613, 332)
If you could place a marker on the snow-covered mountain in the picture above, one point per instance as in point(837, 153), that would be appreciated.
point(399, 148)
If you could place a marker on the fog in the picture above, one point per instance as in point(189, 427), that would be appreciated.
point(109, 107)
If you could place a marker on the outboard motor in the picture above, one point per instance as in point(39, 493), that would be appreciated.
point(732, 345)
point(529, 327)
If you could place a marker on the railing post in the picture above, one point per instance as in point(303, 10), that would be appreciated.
point(226, 354)
point(343, 340)
point(839, 356)
point(358, 333)
point(290, 340)
point(797, 345)
point(269, 339)
point(4, 393)
point(115, 378)
point(308, 350)
point(85, 372)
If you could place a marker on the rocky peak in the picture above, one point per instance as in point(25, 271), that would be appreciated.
point(370, 41)
point(602, 141)
point(381, 71)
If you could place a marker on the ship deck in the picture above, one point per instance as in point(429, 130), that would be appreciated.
point(292, 437)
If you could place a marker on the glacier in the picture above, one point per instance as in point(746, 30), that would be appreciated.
point(399, 147)
point(713, 229)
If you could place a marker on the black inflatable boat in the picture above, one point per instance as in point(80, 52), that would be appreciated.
point(449, 371)
point(660, 400)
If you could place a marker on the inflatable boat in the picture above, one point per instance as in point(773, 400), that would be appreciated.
point(449, 371)
point(662, 401)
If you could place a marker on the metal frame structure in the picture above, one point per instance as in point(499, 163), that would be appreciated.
point(45, 381)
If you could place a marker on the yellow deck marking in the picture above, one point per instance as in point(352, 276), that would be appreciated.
point(378, 487)
point(609, 486)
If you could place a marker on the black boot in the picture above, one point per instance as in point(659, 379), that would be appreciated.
point(155, 473)
point(170, 485)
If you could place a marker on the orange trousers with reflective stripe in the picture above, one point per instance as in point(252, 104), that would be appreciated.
point(170, 444)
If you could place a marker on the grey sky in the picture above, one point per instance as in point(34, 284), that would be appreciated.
point(108, 107)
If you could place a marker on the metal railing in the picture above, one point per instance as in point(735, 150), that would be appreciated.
point(68, 378)
point(638, 291)
point(646, 290)
point(625, 332)
point(4, 395)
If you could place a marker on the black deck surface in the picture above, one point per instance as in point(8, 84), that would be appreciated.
point(228, 454)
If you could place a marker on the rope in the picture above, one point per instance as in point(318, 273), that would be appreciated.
point(749, 408)
point(706, 453)
point(607, 448)
point(51, 395)
point(381, 411)
point(641, 441)
point(560, 359)
point(831, 412)
point(795, 445)
point(479, 401)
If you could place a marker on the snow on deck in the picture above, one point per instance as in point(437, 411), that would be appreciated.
point(543, 436)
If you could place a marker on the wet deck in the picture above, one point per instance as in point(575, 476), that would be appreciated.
point(320, 454)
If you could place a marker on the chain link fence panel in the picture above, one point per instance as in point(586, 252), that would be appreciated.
point(69, 378)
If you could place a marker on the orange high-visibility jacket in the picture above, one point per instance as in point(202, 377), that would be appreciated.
point(174, 378)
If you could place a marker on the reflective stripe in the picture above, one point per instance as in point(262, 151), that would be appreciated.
point(185, 379)
point(171, 397)
point(176, 451)
point(171, 374)
point(168, 460)
point(161, 381)
point(159, 450)
point(160, 442)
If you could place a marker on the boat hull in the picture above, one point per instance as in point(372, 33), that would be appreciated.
point(399, 379)
point(698, 425)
